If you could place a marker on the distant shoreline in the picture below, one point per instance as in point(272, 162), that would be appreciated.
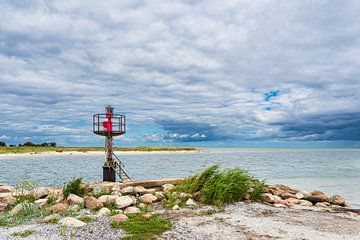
point(90, 151)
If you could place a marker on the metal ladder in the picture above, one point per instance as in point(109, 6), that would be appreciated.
point(119, 169)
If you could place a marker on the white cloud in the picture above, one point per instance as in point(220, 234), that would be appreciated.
point(208, 62)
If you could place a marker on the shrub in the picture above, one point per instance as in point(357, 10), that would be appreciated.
point(227, 186)
point(74, 187)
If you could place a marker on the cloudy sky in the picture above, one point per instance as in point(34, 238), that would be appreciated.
point(202, 73)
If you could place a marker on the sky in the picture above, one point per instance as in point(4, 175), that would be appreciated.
point(249, 73)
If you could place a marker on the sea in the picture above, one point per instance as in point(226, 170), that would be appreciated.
point(333, 171)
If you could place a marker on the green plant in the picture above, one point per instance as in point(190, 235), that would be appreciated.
point(86, 219)
point(27, 212)
point(104, 192)
point(74, 187)
point(23, 234)
point(26, 191)
point(141, 227)
point(171, 200)
point(51, 200)
point(222, 187)
point(53, 220)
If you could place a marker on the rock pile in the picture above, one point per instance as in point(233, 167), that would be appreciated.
point(100, 198)
point(121, 199)
point(283, 196)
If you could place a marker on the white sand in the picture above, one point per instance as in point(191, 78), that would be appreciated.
point(95, 153)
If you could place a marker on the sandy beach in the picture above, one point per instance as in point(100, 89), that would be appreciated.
point(96, 153)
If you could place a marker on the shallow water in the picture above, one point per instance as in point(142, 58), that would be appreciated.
point(334, 171)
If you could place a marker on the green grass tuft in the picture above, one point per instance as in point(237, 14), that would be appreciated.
point(23, 234)
point(27, 213)
point(74, 187)
point(142, 228)
point(220, 187)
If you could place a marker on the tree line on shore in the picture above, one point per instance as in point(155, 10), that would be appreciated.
point(30, 144)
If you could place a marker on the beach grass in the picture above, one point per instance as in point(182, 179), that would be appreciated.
point(220, 187)
point(40, 149)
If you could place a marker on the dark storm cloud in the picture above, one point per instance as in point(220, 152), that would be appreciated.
point(323, 127)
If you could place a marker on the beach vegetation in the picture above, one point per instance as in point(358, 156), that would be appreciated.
point(219, 187)
point(141, 227)
point(171, 200)
point(51, 201)
point(26, 191)
point(73, 187)
point(35, 149)
point(27, 212)
point(23, 234)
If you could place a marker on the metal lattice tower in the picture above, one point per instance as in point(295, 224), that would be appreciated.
point(110, 125)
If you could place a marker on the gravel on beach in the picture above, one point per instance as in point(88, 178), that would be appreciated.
point(237, 221)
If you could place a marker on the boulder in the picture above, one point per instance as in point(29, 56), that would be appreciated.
point(7, 198)
point(148, 198)
point(41, 202)
point(59, 207)
point(152, 190)
point(317, 192)
point(93, 203)
point(127, 190)
point(279, 189)
point(75, 199)
point(119, 217)
point(41, 192)
point(3, 206)
point(302, 194)
point(168, 187)
point(107, 199)
point(268, 198)
point(131, 210)
point(291, 201)
point(6, 189)
point(124, 201)
point(159, 195)
point(104, 212)
point(176, 207)
point(140, 190)
point(286, 195)
point(322, 204)
point(102, 187)
point(72, 222)
point(278, 200)
point(142, 205)
point(191, 203)
point(56, 194)
point(337, 200)
point(51, 218)
point(305, 203)
point(321, 197)
point(74, 208)
point(184, 196)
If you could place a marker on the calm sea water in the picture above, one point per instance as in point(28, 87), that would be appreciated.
point(334, 171)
